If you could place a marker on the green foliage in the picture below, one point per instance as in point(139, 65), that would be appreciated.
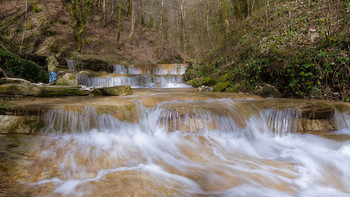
point(308, 57)
point(208, 81)
point(221, 86)
point(21, 68)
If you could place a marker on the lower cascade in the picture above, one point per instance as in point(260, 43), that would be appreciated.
point(217, 147)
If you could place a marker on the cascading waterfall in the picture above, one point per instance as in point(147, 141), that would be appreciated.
point(143, 76)
point(342, 120)
point(187, 148)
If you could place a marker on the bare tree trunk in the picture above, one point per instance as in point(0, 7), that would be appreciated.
point(225, 14)
point(104, 13)
point(119, 21)
point(132, 22)
point(25, 27)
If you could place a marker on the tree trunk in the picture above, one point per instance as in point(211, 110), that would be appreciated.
point(104, 13)
point(132, 22)
point(119, 21)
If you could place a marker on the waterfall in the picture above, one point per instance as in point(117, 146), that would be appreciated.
point(216, 147)
point(140, 76)
point(70, 64)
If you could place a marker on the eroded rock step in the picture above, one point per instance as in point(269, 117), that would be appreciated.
point(279, 117)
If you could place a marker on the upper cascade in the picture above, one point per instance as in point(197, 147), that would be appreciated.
point(159, 69)
point(140, 76)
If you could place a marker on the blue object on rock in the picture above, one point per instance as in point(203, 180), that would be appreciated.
point(53, 77)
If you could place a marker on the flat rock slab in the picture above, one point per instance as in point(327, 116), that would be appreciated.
point(43, 91)
point(6, 80)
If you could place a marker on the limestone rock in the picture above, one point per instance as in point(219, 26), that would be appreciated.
point(205, 89)
point(43, 91)
point(316, 125)
point(56, 91)
point(318, 110)
point(7, 80)
point(20, 89)
point(116, 91)
point(18, 124)
point(68, 79)
point(270, 91)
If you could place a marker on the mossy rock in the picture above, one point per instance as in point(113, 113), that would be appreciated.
point(97, 92)
point(221, 86)
point(20, 89)
point(270, 91)
point(56, 91)
point(68, 79)
point(117, 91)
point(6, 80)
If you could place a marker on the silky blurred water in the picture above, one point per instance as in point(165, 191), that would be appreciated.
point(179, 149)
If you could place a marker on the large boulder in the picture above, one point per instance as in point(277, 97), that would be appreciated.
point(116, 91)
point(270, 91)
point(68, 80)
point(7, 80)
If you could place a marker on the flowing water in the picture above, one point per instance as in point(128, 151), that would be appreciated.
point(140, 76)
point(216, 147)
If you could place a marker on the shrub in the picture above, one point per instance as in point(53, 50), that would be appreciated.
point(21, 68)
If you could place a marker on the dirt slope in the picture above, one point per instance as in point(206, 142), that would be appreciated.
point(47, 28)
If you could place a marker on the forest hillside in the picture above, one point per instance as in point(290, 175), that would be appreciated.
point(299, 46)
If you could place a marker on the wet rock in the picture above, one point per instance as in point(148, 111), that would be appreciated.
point(67, 79)
point(7, 80)
point(318, 110)
point(269, 91)
point(306, 125)
point(116, 91)
point(18, 124)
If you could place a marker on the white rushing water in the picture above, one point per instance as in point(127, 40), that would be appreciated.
point(136, 81)
point(147, 76)
point(209, 151)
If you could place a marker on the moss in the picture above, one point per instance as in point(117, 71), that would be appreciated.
point(208, 81)
point(72, 77)
point(220, 87)
point(117, 91)
point(97, 92)
point(62, 91)
point(235, 88)
point(195, 83)
point(29, 122)
point(5, 104)
point(40, 125)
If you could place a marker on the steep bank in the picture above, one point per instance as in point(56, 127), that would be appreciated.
point(301, 47)
point(46, 27)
